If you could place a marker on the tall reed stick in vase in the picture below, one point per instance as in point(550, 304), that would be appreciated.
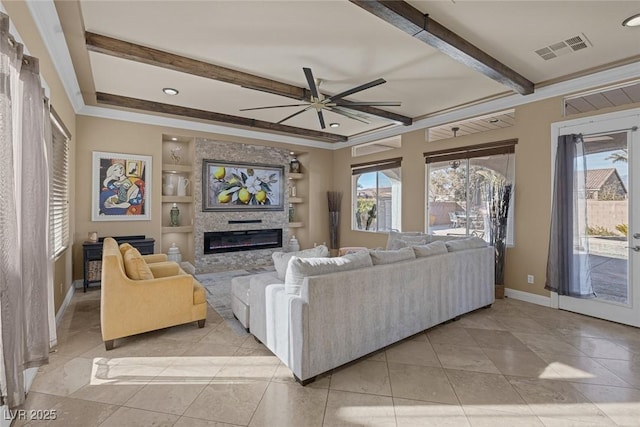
point(499, 200)
point(334, 198)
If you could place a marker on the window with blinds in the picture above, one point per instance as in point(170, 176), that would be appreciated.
point(376, 195)
point(59, 186)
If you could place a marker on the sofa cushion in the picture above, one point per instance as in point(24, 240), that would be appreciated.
point(135, 266)
point(281, 259)
point(388, 257)
point(464, 244)
point(299, 268)
point(430, 249)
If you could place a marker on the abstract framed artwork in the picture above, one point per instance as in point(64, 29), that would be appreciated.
point(228, 186)
point(121, 187)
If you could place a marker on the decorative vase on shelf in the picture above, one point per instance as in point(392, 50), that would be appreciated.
point(174, 213)
point(294, 246)
point(173, 254)
point(294, 165)
point(292, 213)
point(183, 184)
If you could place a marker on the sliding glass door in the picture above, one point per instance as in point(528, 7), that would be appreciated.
point(460, 191)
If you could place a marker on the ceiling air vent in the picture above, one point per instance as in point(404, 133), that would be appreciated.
point(572, 44)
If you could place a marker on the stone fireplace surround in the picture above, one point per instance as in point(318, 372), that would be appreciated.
point(230, 221)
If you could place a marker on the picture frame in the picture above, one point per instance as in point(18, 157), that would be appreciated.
point(238, 186)
point(121, 187)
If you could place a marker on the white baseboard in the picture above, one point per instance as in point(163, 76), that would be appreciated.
point(527, 297)
point(67, 300)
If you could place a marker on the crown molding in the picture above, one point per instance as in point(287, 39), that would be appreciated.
point(46, 18)
point(151, 119)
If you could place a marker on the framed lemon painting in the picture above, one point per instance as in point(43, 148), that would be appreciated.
point(241, 186)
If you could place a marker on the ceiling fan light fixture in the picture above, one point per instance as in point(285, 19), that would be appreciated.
point(334, 125)
point(170, 91)
point(632, 21)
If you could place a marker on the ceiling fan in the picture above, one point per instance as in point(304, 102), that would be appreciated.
point(334, 103)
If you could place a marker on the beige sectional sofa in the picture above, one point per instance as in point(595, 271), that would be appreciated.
point(248, 291)
point(321, 322)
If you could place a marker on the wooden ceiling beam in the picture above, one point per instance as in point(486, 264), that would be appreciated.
point(146, 55)
point(176, 110)
point(405, 17)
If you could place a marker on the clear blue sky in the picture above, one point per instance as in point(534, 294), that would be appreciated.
point(368, 180)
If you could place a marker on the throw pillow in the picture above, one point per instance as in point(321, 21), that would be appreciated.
point(299, 268)
point(281, 259)
point(388, 257)
point(439, 238)
point(431, 249)
point(135, 266)
point(124, 248)
point(464, 244)
point(398, 240)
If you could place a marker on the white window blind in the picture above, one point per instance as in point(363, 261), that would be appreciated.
point(59, 186)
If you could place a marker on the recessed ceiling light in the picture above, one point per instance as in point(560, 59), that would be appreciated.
point(170, 91)
point(334, 125)
point(494, 120)
point(632, 21)
point(173, 138)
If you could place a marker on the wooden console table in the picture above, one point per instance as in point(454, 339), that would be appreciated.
point(92, 255)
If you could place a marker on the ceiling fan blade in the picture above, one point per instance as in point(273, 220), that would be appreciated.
point(344, 103)
point(311, 82)
point(357, 89)
point(273, 106)
point(348, 114)
point(294, 114)
point(321, 118)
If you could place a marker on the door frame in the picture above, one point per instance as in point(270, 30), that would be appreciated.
point(622, 313)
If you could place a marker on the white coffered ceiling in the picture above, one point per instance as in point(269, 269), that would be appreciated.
point(345, 46)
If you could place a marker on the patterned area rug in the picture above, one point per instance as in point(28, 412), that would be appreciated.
point(218, 287)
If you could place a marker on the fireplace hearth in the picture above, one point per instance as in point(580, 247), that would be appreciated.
point(241, 240)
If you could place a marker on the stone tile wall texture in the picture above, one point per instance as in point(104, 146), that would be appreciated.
point(219, 221)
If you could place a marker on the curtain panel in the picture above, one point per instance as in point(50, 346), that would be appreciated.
point(24, 262)
point(568, 265)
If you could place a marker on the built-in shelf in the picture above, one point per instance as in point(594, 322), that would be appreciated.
point(295, 200)
point(293, 175)
point(295, 225)
point(166, 167)
point(177, 199)
point(178, 229)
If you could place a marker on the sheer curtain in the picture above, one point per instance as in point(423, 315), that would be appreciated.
point(568, 266)
point(24, 261)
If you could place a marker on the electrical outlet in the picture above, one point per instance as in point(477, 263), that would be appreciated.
point(530, 278)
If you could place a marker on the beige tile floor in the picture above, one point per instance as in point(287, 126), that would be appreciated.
point(513, 364)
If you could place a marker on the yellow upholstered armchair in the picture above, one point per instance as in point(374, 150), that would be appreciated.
point(141, 294)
